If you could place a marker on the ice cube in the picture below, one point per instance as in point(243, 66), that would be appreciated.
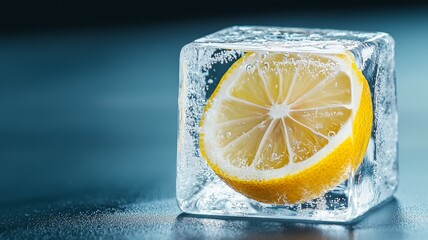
point(203, 64)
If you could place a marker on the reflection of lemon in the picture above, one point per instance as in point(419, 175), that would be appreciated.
point(287, 128)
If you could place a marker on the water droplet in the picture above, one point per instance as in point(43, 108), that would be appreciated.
point(331, 134)
point(228, 134)
point(210, 81)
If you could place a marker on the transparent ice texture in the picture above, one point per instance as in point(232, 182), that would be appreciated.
point(202, 64)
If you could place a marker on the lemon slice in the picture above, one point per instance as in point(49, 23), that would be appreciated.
point(287, 128)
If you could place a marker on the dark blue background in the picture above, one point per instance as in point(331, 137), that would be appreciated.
point(88, 127)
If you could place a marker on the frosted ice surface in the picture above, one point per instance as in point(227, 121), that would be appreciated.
point(286, 39)
point(202, 64)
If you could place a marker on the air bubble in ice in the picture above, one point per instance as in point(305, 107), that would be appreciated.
point(266, 65)
point(250, 68)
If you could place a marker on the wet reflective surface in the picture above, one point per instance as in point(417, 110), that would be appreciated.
point(128, 215)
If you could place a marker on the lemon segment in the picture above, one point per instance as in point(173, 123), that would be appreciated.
point(287, 128)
